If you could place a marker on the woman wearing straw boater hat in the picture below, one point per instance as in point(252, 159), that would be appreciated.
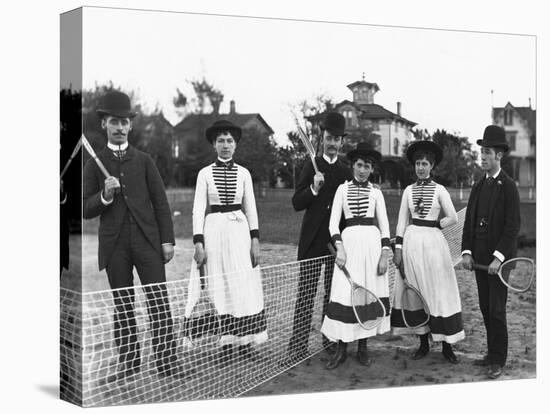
point(423, 253)
point(135, 230)
point(363, 248)
point(489, 237)
point(226, 239)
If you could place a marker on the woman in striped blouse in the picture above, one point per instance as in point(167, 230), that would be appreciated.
point(423, 252)
point(226, 239)
point(363, 248)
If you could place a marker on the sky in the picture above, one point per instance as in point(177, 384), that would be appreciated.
point(442, 78)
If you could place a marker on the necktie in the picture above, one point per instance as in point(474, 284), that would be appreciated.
point(228, 164)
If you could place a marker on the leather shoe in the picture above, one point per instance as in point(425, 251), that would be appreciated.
point(482, 362)
point(494, 371)
point(362, 353)
point(339, 356)
point(421, 352)
point(449, 354)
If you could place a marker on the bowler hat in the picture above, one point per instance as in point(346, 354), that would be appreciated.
point(424, 145)
point(494, 136)
point(117, 104)
point(334, 123)
point(365, 152)
point(223, 126)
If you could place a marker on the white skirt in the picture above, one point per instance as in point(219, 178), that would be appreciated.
point(234, 287)
point(363, 249)
point(428, 267)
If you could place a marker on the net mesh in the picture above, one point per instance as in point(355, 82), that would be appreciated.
point(144, 344)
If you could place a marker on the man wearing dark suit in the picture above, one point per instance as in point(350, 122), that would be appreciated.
point(314, 194)
point(490, 237)
point(135, 229)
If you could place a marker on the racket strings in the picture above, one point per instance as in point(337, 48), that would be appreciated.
point(518, 274)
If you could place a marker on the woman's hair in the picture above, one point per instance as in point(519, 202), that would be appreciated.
point(219, 133)
point(421, 154)
point(365, 159)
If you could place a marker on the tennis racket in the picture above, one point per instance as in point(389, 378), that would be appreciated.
point(203, 326)
point(414, 308)
point(367, 307)
point(517, 274)
point(94, 156)
point(307, 143)
point(73, 154)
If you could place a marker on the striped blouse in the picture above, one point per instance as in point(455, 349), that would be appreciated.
point(219, 184)
point(354, 201)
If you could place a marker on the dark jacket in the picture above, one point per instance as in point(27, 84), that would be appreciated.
point(142, 192)
point(314, 234)
point(504, 217)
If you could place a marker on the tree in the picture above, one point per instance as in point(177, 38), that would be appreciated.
point(291, 159)
point(151, 133)
point(257, 152)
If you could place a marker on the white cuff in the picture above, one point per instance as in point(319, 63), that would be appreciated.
point(467, 252)
point(105, 202)
point(398, 246)
point(386, 247)
point(338, 242)
point(315, 193)
point(498, 255)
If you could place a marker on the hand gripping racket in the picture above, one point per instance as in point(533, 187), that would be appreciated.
point(203, 326)
point(414, 308)
point(367, 307)
point(307, 143)
point(517, 274)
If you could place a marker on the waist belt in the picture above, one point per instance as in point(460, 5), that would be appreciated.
point(219, 208)
point(425, 223)
point(359, 221)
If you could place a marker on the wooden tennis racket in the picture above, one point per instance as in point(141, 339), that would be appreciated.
point(414, 308)
point(517, 274)
point(367, 307)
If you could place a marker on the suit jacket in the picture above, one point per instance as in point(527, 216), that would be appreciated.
point(314, 233)
point(504, 217)
point(142, 192)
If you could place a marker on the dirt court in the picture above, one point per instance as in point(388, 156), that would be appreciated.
point(392, 365)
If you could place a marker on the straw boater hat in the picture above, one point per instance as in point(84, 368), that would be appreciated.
point(365, 152)
point(494, 137)
point(334, 123)
point(117, 104)
point(428, 146)
point(222, 126)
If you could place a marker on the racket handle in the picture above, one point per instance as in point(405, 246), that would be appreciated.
point(481, 267)
point(201, 277)
point(331, 249)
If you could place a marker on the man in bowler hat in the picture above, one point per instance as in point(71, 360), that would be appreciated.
point(314, 194)
point(135, 230)
point(489, 238)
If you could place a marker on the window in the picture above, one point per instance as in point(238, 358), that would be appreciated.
point(375, 126)
point(508, 117)
point(348, 114)
point(396, 146)
point(511, 139)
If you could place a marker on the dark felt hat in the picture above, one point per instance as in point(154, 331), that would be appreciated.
point(117, 104)
point(223, 126)
point(334, 123)
point(494, 137)
point(424, 145)
point(365, 152)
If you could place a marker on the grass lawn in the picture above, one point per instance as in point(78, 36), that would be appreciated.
point(279, 223)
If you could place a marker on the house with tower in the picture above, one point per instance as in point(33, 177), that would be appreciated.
point(387, 131)
point(519, 123)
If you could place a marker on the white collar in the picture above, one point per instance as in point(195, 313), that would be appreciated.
point(220, 160)
point(327, 159)
point(113, 147)
point(494, 175)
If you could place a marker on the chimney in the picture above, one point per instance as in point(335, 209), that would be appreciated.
point(232, 107)
point(399, 108)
